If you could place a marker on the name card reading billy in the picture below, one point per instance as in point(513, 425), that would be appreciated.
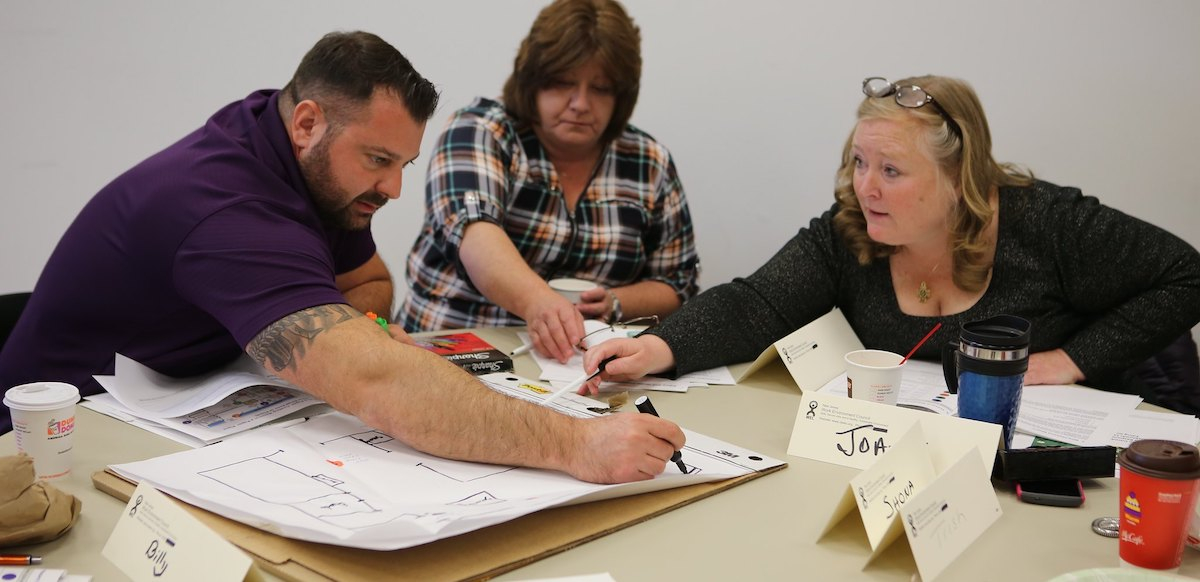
point(157, 540)
point(843, 431)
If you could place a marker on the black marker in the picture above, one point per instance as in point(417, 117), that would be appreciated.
point(645, 407)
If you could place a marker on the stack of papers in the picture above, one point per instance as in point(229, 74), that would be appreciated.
point(1089, 417)
point(1071, 414)
point(197, 410)
point(559, 375)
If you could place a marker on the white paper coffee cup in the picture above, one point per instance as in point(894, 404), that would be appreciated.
point(571, 288)
point(43, 417)
point(874, 375)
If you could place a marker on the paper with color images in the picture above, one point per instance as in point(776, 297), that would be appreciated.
point(148, 394)
point(243, 410)
point(945, 518)
point(334, 480)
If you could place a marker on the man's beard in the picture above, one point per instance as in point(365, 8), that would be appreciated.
point(334, 206)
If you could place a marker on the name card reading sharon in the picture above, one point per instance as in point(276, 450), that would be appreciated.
point(846, 432)
point(156, 539)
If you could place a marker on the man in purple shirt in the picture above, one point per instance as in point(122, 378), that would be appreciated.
point(253, 233)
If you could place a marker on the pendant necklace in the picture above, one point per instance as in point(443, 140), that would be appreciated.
point(923, 292)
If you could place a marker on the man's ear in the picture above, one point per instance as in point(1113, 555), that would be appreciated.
point(308, 124)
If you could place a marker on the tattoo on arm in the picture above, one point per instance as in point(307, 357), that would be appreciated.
point(284, 342)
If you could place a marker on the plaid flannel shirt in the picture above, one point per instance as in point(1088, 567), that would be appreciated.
point(631, 224)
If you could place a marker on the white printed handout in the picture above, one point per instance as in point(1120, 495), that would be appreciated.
point(148, 394)
point(1071, 414)
point(243, 410)
point(198, 410)
point(559, 374)
point(1147, 424)
point(334, 480)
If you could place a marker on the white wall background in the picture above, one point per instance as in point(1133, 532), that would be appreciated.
point(754, 98)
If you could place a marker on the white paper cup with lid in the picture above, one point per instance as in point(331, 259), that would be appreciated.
point(43, 417)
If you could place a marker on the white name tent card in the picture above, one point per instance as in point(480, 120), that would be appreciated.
point(156, 539)
point(854, 433)
point(948, 515)
point(902, 495)
point(812, 354)
point(846, 432)
point(883, 488)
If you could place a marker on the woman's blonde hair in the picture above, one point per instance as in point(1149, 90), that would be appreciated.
point(963, 153)
point(565, 36)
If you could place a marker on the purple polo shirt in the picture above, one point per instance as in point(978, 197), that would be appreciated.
point(182, 260)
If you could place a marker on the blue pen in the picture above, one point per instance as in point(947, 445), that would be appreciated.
point(645, 407)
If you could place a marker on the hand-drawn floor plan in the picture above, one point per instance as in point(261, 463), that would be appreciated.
point(334, 480)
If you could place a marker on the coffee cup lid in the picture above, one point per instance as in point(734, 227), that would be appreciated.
point(41, 396)
point(571, 284)
point(1162, 459)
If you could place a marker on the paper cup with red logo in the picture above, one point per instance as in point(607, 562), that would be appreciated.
point(1159, 483)
point(43, 417)
point(874, 375)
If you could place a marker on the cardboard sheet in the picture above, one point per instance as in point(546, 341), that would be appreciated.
point(476, 555)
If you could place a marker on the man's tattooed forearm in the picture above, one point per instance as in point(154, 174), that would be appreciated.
point(284, 342)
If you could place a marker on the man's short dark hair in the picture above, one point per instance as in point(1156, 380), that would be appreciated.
point(342, 71)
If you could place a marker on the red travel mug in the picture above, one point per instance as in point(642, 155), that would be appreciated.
point(1159, 484)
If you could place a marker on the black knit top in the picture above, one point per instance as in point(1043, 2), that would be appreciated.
point(1109, 289)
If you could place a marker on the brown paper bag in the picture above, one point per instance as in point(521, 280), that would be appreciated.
point(31, 511)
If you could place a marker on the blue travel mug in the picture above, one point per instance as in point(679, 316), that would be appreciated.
point(986, 367)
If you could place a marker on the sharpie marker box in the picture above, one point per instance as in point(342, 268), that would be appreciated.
point(469, 352)
point(1046, 463)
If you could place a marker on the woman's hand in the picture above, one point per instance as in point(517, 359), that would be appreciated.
point(596, 303)
point(635, 358)
point(1052, 367)
point(555, 326)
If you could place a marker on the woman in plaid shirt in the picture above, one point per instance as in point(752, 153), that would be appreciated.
point(553, 182)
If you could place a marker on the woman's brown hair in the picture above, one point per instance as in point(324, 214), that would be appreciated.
point(566, 35)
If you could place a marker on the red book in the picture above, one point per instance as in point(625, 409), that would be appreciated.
point(468, 351)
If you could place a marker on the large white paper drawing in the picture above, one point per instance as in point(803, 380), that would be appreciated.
point(334, 480)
